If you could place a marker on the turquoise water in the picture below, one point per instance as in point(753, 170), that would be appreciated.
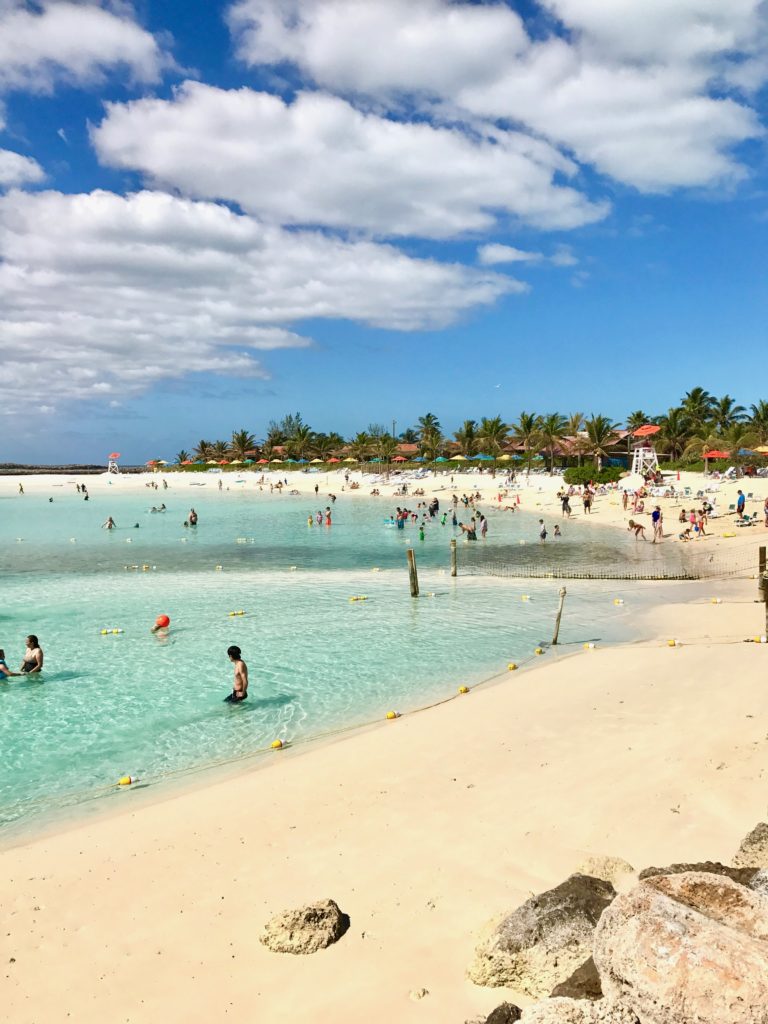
point(139, 704)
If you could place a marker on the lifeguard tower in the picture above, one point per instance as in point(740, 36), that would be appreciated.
point(645, 461)
point(112, 466)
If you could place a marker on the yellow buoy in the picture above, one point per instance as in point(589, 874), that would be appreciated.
point(463, 689)
point(539, 650)
point(511, 666)
point(277, 744)
point(618, 600)
point(716, 600)
point(525, 597)
point(126, 780)
point(392, 714)
point(589, 646)
point(671, 643)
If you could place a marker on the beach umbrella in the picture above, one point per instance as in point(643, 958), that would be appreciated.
point(334, 460)
point(375, 460)
point(458, 458)
point(314, 462)
point(302, 462)
point(441, 458)
point(646, 430)
point(399, 458)
point(505, 458)
point(419, 458)
point(746, 451)
point(236, 462)
point(187, 462)
point(114, 455)
point(292, 460)
point(350, 459)
point(484, 458)
point(717, 455)
point(275, 460)
point(262, 462)
point(517, 458)
point(212, 462)
point(222, 462)
point(247, 462)
point(763, 449)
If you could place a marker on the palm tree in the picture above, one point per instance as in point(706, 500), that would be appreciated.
point(675, 432)
point(430, 435)
point(409, 436)
point(759, 421)
point(725, 413)
point(601, 435)
point(466, 437)
point(360, 446)
point(300, 441)
point(553, 428)
point(242, 442)
point(492, 434)
point(527, 432)
point(637, 419)
point(738, 435)
point(219, 450)
point(323, 445)
point(182, 456)
point(203, 450)
point(697, 405)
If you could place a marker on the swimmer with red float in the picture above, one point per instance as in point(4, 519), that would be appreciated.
point(161, 622)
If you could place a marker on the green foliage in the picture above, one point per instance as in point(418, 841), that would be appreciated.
point(584, 474)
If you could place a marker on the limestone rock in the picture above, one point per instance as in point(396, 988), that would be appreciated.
point(687, 949)
point(610, 869)
point(507, 1013)
point(759, 881)
point(306, 929)
point(577, 1011)
point(753, 852)
point(742, 875)
point(542, 943)
point(584, 983)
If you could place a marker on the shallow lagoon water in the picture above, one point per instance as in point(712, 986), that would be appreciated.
point(135, 703)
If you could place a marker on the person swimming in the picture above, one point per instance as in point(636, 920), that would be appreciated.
point(240, 685)
point(109, 524)
point(5, 672)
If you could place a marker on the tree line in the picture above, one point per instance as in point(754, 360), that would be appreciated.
point(701, 422)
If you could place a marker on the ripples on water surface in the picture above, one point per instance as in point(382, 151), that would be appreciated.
point(134, 703)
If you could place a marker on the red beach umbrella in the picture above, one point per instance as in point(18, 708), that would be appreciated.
point(187, 462)
point(647, 430)
point(262, 462)
point(334, 460)
point(399, 458)
point(114, 455)
point(717, 455)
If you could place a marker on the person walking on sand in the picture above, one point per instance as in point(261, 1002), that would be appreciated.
point(240, 684)
point(658, 530)
point(624, 500)
point(21, 489)
point(740, 503)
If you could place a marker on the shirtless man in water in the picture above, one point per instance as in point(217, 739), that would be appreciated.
point(240, 685)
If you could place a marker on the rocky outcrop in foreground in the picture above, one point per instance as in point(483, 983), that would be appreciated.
point(687, 945)
point(306, 929)
point(542, 943)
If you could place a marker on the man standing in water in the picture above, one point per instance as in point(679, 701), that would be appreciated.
point(240, 685)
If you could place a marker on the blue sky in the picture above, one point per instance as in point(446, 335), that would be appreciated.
point(214, 214)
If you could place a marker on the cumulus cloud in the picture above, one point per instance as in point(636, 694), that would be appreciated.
point(16, 169)
point(56, 40)
point(103, 295)
point(495, 253)
point(638, 91)
point(320, 161)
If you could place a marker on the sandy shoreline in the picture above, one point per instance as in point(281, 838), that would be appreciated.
point(422, 830)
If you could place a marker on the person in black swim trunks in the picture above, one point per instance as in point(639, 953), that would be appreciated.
point(240, 686)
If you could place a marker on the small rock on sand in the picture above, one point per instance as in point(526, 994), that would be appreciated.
point(306, 929)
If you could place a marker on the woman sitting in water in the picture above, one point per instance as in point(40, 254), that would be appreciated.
point(33, 657)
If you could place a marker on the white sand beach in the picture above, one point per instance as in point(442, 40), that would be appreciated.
point(422, 830)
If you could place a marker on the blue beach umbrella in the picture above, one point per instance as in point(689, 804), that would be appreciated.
point(302, 462)
point(484, 458)
point(375, 460)
point(293, 461)
point(419, 458)
point(441, 458)
point(746, 451)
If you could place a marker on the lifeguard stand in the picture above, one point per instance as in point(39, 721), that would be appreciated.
point(112, 466)
point(645, 461)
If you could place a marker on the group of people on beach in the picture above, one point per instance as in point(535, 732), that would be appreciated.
point(30, 666)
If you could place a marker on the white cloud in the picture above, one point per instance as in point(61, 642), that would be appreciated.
point(493, 253)
point(72, 42)
point(320, 161)
point(16, 169)
point(634, 90)
point(102, 295)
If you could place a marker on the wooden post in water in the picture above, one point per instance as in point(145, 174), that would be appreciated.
point(453, 558)
point(761, 573)
point(413, 576)
point(559, 616)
